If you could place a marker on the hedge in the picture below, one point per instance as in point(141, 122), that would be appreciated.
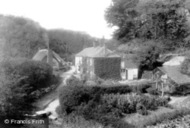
point(105, 104)
point(21, 82)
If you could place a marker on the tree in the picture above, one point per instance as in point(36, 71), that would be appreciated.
point(20, 37)
point(163, 21)
point(122, 13)
point(147, 57)
point(22, 82)
point(73, 41)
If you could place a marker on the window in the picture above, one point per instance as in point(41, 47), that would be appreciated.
point(123, 70)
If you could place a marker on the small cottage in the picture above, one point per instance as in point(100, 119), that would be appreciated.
point(98, 62)
point(170, 73)
point(55, 60)
point(129, 70)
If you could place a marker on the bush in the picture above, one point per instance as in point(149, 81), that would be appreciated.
point(158, 116)
point(141, 88)
point(152, 91)
point(71, 97)
point(73, 81)
point(73, 121)
point(116, 89)
point(21, 82)
point(141, 109)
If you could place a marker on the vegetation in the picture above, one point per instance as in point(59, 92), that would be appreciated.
point(181, 122)
point(185, 67)
point(21, 37)
point(22, 82)
point(156, 23)
point(106, 104)
point(161, 21)
point(160, 115)
point(107, 68)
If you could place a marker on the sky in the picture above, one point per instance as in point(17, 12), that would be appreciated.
point(77, 15)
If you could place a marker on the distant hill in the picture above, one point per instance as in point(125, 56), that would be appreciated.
point(71, 41)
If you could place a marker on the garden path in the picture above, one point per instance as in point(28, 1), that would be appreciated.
point(50, 102)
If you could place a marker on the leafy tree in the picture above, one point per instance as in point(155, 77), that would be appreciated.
point(20, 37)
point(147, 57)
point(21, 83)
point(69, 41)
point(58, 46)
point(164, 21)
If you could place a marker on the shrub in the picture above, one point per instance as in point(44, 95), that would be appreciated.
point(142, 88)
point(73, 121)
point(158, 116)
point(73, 96)
point(152, 91)
point(21, 82)
point(73, 81)
point(182, 122)
point(116, 89)
point(141, 109)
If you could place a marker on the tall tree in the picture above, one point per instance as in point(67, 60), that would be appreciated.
point(20, 37)
point(162, 20)
point(69, 41)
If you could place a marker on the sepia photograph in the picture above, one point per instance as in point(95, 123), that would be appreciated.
point(95, 64)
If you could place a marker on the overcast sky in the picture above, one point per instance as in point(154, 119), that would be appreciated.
point(79, 15)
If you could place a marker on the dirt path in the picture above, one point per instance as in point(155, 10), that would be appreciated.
point(50, 102)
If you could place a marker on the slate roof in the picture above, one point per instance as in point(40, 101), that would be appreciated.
point(98, 51)
point(128, 63)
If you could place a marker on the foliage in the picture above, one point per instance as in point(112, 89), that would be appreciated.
point(38, 74)
point(147, 57)
point(113, 107)
point(71, 97)
point(181, 90)
point(154, 117)
point(73, 121)
point(142, 88)
point(105, 104)
point(164, 21)
point(21, 37)
point(14, 101)
point(21, 82)
point(182, 122)
point(107, 68)
point(72, 81)
point(153, 91)
point(141, 109)
point(66, 42)
point(185, 67)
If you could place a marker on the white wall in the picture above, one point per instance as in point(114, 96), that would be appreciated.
point(129, 74)
point(132, 74)
point(78, 62)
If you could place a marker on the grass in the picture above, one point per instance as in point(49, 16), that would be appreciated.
point(79, 122)
point(155, 117)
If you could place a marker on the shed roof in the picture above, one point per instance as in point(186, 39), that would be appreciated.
point(174, 73)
